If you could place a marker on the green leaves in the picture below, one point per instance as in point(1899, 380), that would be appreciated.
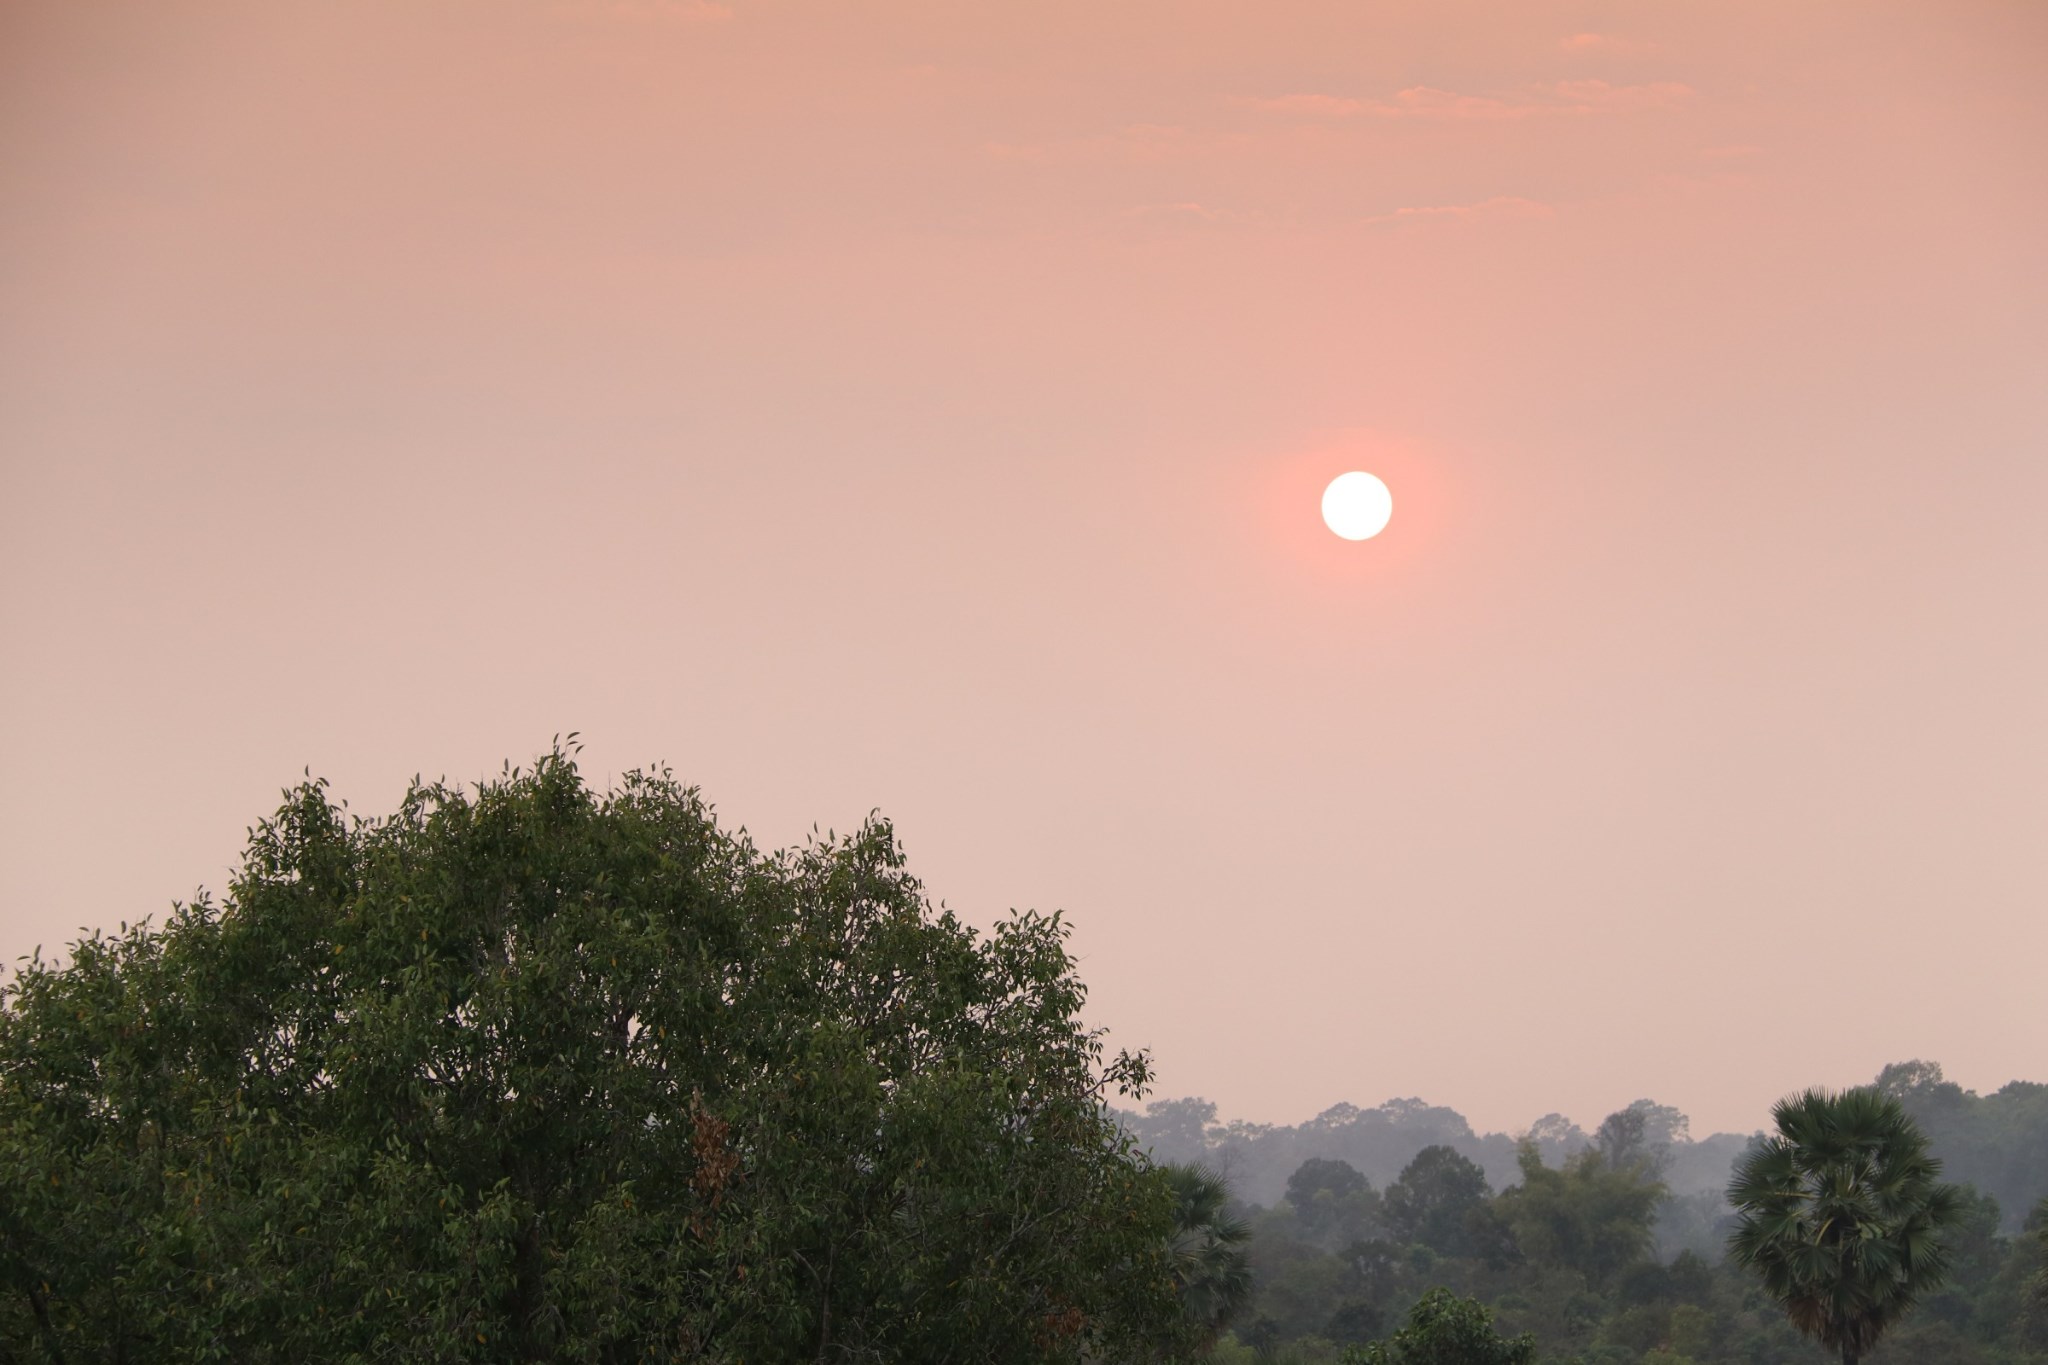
point(1590, 1215)
point(528, 1072)
point(1443, 1329)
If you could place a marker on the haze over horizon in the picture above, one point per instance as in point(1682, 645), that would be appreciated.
point(896, 407)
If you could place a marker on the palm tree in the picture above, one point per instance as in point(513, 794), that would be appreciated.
point(1842, 1216)
point(2039, 1222)
point(1207, 1250)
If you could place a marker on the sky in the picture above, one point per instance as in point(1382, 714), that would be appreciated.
point(923, 407)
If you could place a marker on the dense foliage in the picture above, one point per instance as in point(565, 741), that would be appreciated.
point(1443, 1329)
point(535, 1073)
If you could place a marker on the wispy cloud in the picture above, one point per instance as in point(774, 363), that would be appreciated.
point(1416, 102)
point(1186, 211)
point(1587, 97)
point(1500, 206)
point(1141, 143)
point(1326, 106)
point(1134, 142)
point(657, 11)
point(1429, 104)
point(1606, 44)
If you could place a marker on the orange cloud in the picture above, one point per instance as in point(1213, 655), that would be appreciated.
point(1427, 103)
point(1500, 206)
point(1587, 96)
point(1606, 43)
point(1416, 102)
point(662, 11)
point(1181, 216)
point(1185, 210)
point(1335, 106)
point(1136, 142)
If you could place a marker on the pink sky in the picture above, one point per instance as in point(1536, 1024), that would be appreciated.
point(923, 406)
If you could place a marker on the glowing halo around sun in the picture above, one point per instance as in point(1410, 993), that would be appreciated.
point(1356, 505)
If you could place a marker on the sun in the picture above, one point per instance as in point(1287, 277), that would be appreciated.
point(1356, 505)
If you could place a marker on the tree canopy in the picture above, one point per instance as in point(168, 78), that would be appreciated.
point(1443, 1329)
point(534, 1072)
point(1591, 1215)
point(1437, 1202)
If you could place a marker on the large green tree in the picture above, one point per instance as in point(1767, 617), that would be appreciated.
point(1443, 1329)
point(1843, 1216)
point(1333, 1204)
point(532, 1072)
point(1591, 1216)
point(1438, 1201)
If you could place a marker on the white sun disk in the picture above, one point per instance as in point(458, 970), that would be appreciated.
point(1356, 505)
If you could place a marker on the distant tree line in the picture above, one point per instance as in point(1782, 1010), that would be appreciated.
point(1565, 1254)
point(1997, 1143)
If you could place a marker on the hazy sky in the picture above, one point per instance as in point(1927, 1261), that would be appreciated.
point(923, 405)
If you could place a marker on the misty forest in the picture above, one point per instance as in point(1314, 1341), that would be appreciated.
point(529, 1071)
point(1606, 1246)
